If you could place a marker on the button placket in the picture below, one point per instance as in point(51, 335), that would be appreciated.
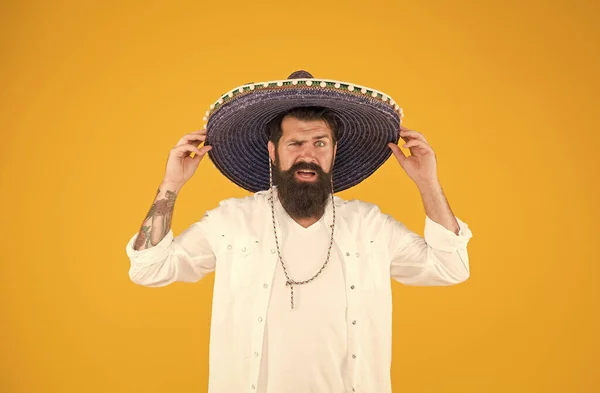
point(256, 369)
point(265, 286)
point(352, 268)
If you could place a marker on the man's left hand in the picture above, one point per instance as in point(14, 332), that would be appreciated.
point(420, 165)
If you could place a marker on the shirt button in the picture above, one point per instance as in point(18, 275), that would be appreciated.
point(352, 287)
point(229, 247)
point(272, 251)
point(354, 322)
point(353, 356)
point(244, 249)
point(259, 319)
point(347, 254)
point(265, 285)
point(357, 255)
point(253, 387)
point(255, 354)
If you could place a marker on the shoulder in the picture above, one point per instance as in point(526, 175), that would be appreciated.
point(360, 215)
point(356, 207)
point(241, 206)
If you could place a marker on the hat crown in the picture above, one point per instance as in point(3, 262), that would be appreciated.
point(300, 74)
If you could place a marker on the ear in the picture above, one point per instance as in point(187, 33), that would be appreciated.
point(271, 147)
point(334, 153)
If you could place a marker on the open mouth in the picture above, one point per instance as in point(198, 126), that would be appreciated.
point(304, 174)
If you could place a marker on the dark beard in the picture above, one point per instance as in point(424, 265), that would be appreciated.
point(302, 199)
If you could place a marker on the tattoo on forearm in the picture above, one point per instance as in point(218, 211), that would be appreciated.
point(162, 210)
point(144, 237)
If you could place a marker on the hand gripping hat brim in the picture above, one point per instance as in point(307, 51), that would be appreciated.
point(237, 127)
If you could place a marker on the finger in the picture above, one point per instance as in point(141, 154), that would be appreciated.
point(199, 136)
point(402, 128)
point(196, 141)
point(406, 133)
point(192, 137)
point(414, 143)
point(399, 154)
point(184, 150)
point(417, 144)
point(201, 152)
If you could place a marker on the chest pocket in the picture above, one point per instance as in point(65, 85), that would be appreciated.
point(242, 255)
point(370, 271)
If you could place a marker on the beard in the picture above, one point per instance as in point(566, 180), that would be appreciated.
point(302, 199)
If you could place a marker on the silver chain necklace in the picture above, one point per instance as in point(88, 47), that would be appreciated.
point(289, 282)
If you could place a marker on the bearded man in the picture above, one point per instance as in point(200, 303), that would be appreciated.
point(302, 297)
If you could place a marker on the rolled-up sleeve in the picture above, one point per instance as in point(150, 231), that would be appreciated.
point(187, 257)
point(439, 258)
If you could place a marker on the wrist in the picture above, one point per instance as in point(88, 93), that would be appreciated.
point(170, 186)
point(429, 186)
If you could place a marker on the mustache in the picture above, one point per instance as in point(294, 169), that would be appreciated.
point(309, 166)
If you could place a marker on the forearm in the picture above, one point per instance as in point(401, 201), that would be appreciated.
point(157, 223)
point(437, 207)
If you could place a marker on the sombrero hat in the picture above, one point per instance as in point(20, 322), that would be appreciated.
point(237, 127)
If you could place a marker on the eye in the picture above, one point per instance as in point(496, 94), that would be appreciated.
point(320, 143)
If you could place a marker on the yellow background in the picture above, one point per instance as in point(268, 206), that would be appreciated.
point(94, 94)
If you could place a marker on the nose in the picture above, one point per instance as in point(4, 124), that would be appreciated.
point(307, 154)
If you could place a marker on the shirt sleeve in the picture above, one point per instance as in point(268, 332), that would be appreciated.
point(439, 258)
point(184, 258)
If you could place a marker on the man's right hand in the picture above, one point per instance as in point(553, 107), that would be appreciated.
point(180, 165)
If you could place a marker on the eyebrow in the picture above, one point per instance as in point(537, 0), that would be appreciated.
point(314, 138)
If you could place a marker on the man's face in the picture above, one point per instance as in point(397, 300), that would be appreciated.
point(304, 141)
point(303, 162)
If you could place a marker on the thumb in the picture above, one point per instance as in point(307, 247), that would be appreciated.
point(202, 152)
point(398, 153)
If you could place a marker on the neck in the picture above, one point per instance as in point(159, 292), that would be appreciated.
point(307, 221)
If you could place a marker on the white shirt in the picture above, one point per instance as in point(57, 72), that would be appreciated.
point(236, 242)
point(305, 348)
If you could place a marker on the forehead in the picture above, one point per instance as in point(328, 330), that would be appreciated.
point(292, 127)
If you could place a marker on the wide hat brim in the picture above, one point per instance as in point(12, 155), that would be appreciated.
point(237, 127)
